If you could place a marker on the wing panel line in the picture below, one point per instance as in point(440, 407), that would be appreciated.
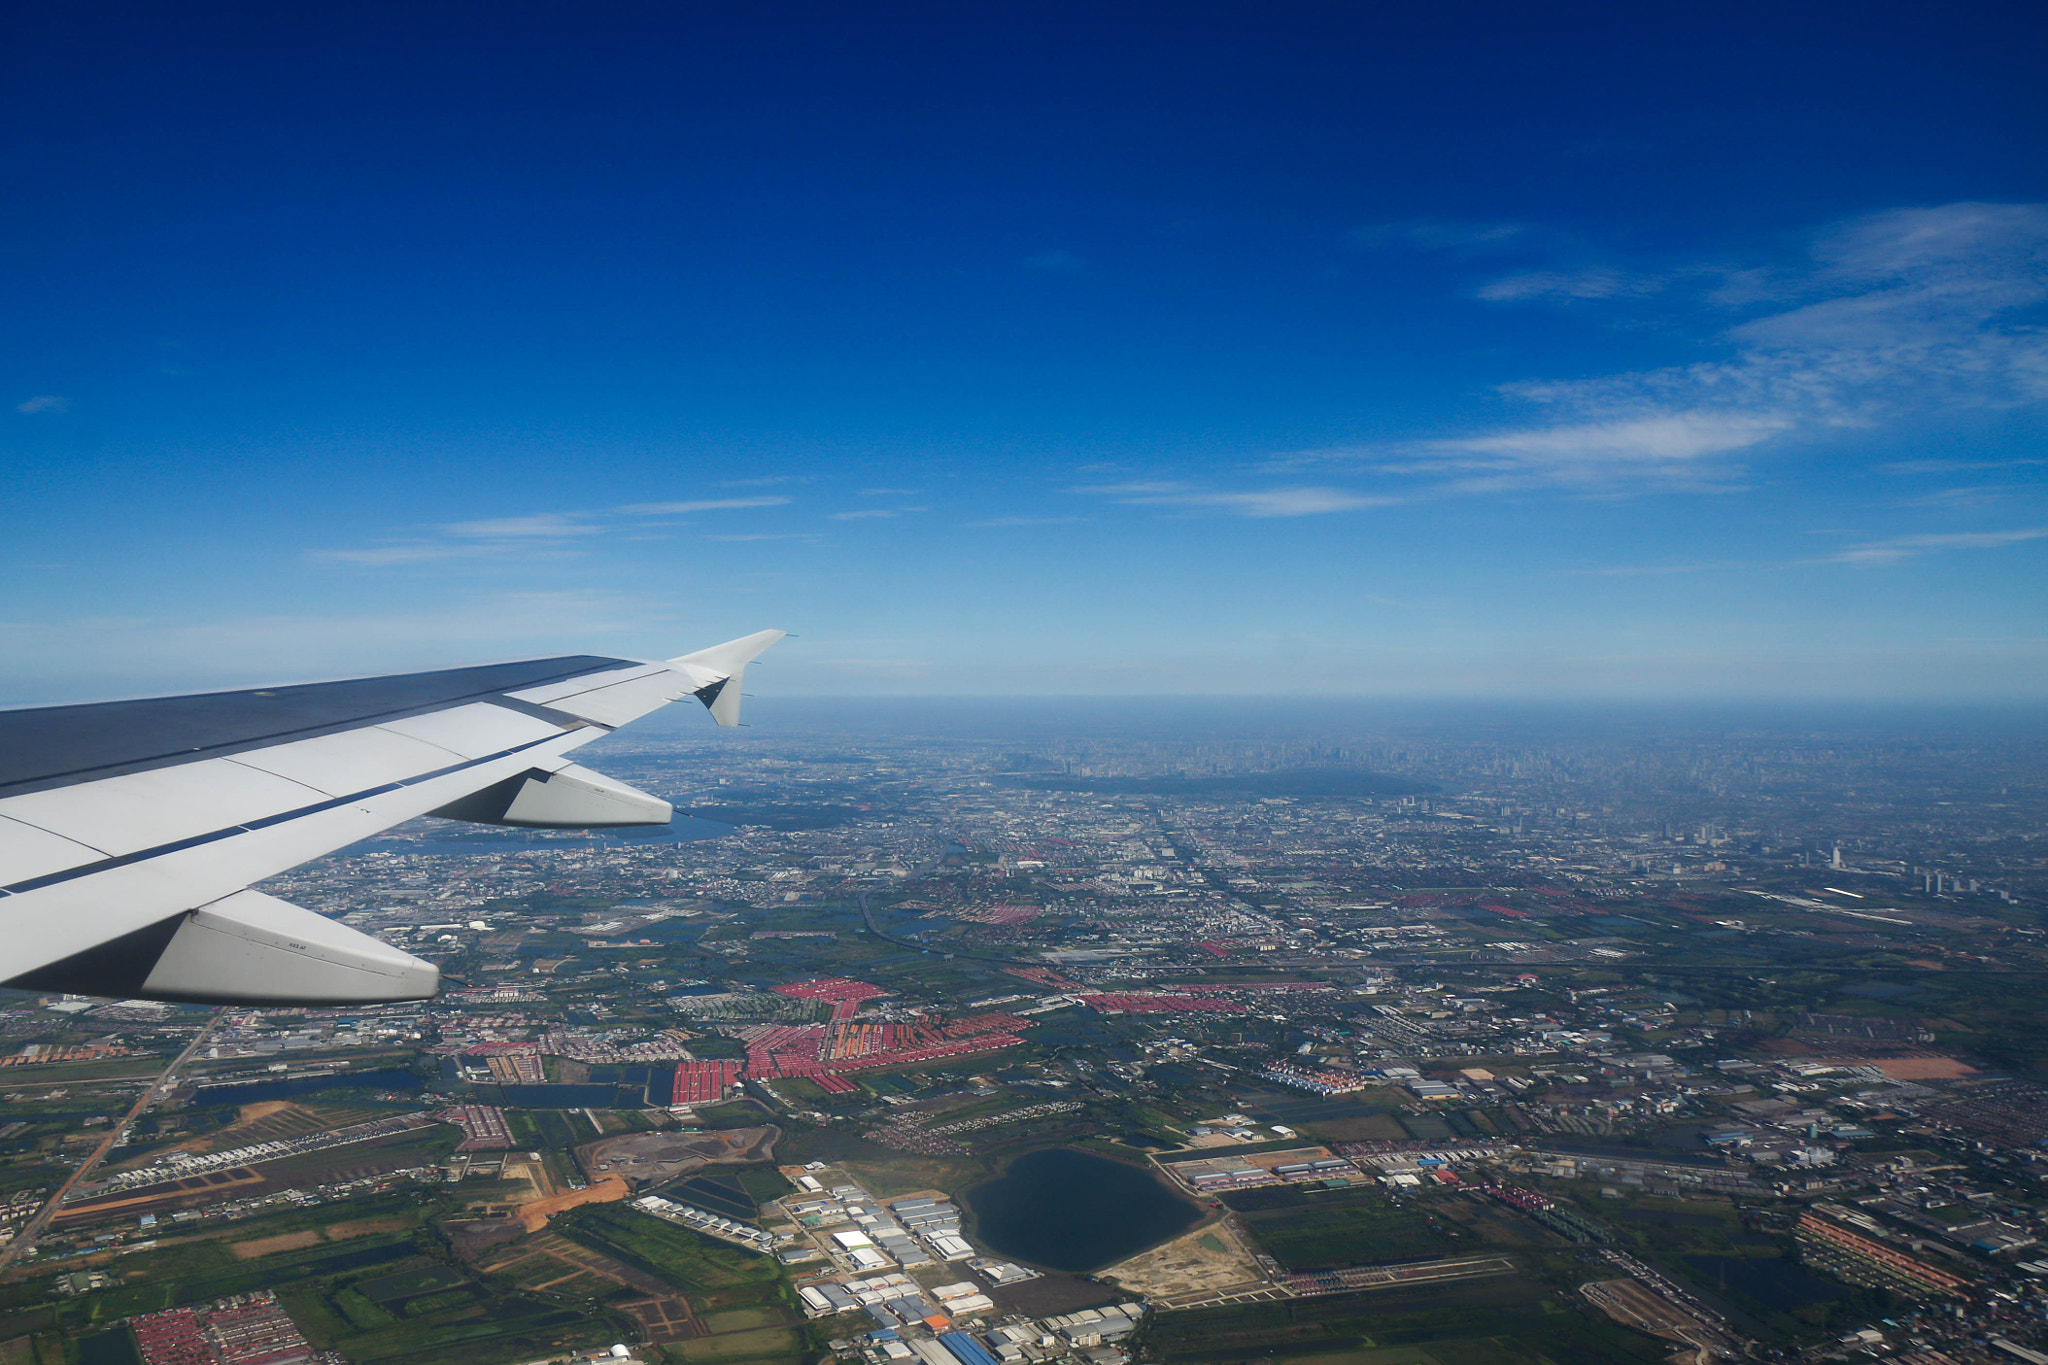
point(193, 841)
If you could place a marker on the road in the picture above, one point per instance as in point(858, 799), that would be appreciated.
point(34, 1227)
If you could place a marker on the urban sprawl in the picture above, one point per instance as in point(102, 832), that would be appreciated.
point(1621, 1039)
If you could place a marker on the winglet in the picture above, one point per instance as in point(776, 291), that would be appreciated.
point(718, 671)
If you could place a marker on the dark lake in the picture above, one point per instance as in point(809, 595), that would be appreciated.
point(256, 1092)
point(1772, 1282)
point(1071, 1211)
point(568, 1096)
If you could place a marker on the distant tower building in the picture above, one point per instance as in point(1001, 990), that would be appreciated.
point(1836, 861)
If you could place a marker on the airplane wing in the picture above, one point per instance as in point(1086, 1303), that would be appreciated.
point(130, 831)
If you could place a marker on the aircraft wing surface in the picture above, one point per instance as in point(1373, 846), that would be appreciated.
point(131, 831)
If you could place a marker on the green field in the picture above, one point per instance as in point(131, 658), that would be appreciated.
point(676, 1254)
point(1326, 1229)
point(391, 1296)
point(1479, 1322)
point(765, 1343)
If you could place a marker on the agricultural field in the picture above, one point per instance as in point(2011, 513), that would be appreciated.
point(1327, 1229)
point(1512, 1321)
point(735, 1306)
point(368, 1279)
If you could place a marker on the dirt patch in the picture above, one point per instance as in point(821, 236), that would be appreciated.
point(1923, 1068)
point(266, 1246)
point(363, 1227)
point(474, 1237)
point(1206, 1261)
point(534, 1216)
point(648, 1159)
point(1784, 1047)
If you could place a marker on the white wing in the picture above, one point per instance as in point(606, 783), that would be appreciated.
point(131, 831)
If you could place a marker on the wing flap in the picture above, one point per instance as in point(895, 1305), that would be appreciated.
point(567, 798)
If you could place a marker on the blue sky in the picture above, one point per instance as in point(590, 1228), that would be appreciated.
point(1488, 350)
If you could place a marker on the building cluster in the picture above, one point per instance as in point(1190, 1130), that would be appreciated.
point(245, 1329)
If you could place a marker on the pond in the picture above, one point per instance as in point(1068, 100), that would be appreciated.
point(1072, 1211)
point(257, 1092)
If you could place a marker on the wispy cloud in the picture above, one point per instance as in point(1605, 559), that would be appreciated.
point(890, 492)
point(1979, 495)
point(1651, 570)
point(1898, 548)
point(44, 402)
point(1296, 501)
point(1568, 285)
point(412, 552)
point(865, 514)
point(545, 526)
point(543, 533)
point(1621, 454)
point(675, 509)
point(1903, 314)
point(1945, 467)
point(1027, 521)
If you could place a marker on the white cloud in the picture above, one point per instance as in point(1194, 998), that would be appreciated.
point(890, 492)
point(1892, 551)
point(44, 402)
point(1568, 285)
point(670, 509)
point(1264, 502)
point(1615, 455)
point(1027, 521)
point(1899, 315)
point(408, 552)
point(1954, 466)
point(542, 534)
point(864, 514)
point(545, 525)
